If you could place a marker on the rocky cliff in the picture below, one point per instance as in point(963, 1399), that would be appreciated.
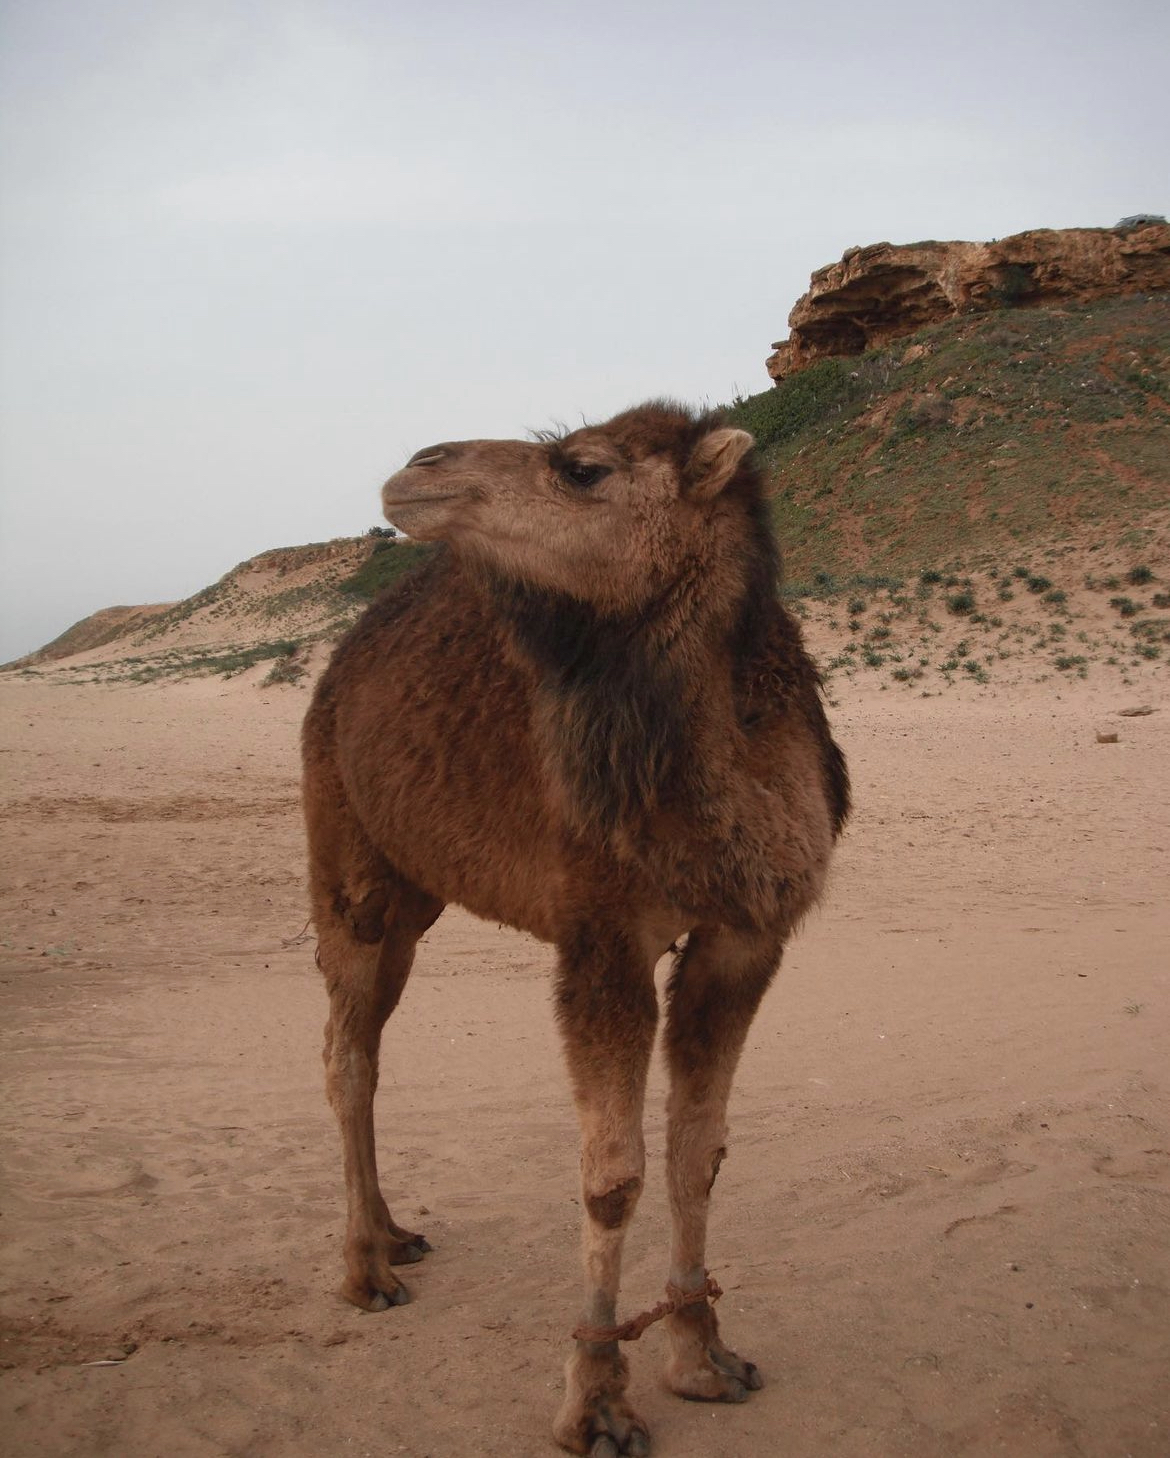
point(882, 292)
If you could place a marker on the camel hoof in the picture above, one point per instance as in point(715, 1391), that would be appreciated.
point(723, 1377)
point(383, 1300)
point(407, 1253)
point(746, 1372)
point(721, 1389)
point(636, 1445)
point(607, 1429)
point(406, 1247)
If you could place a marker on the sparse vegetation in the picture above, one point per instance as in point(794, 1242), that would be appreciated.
point(389, 561)
point(805, 401)
point(288, 668)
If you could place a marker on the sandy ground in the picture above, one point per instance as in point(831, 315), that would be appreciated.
point(942, 1228)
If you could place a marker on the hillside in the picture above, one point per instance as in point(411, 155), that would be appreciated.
point(987, 500)
point(972, 438)
point(270, 610)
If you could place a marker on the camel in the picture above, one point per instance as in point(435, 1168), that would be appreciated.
point(590, 717)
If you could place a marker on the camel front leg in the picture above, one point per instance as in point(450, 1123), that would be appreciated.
point(713, 995)
point(608, 1010)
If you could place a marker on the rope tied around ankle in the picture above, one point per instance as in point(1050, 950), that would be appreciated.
point(631, 1330)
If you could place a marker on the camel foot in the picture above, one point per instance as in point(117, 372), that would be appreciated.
point(701, 1366)
point(595, 1419)
point(370, 1297)
point(408, 1252)
point(716, 1375)
point(369, 1281)
point(403, 1239)
point(637, 1445)
point(383, 1300)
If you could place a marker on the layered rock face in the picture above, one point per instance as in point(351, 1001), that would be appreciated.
point(882, 292)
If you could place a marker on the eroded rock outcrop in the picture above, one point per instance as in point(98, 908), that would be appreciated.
point(885, 291)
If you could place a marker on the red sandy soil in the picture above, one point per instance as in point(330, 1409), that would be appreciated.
point(942, 1228)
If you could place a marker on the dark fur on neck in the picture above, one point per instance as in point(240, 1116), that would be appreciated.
point(618, 698)
point(616, 702)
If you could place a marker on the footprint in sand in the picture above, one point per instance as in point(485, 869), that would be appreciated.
point(998, 1169)
point(1146, 1165)
point(102, 1177)
point(966, 1220)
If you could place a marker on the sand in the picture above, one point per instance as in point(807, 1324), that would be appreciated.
point(942, 1227)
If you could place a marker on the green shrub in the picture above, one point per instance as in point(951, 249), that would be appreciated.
point(924, 413)
point(287, 669)
point(389, 561)
point(801, 400)
point(961, 603)
point(1136, 576)
point(1014, 283)
point(1125, 606)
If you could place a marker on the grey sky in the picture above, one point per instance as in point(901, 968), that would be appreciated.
point(253, 255)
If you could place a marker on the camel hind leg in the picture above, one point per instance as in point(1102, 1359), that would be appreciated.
point(365, 951)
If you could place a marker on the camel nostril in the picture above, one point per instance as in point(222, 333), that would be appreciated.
point(428, 457)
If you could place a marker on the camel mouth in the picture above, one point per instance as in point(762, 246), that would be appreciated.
point(391, 501)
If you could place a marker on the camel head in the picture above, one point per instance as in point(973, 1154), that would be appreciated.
point(610, 514)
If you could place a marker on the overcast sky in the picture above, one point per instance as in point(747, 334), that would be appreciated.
point(254, 255)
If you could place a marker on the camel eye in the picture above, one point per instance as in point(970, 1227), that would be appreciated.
point(582, 475)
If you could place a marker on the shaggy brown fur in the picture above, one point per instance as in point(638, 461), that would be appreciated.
point(591, 718)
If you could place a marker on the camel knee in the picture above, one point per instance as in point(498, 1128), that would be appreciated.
point(351, 1077)
point(614, 1206)
point(364, 916)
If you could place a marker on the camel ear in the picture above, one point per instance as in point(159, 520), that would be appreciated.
point(715, 460)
